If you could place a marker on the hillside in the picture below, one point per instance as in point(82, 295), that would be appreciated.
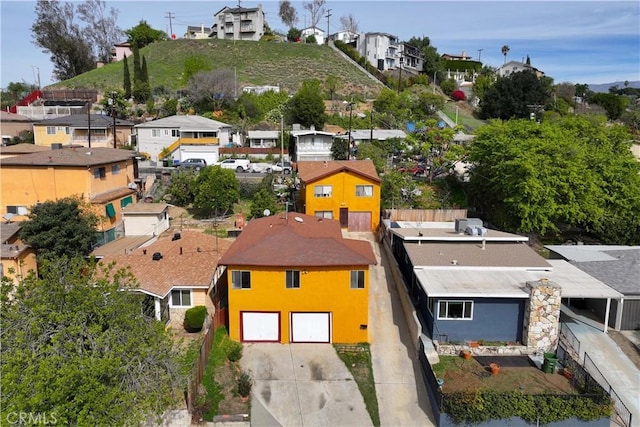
point(256, 63)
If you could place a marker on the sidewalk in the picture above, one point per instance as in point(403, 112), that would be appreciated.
point(615, 366)
point(402, 397)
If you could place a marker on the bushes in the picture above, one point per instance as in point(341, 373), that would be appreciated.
point(194, 318)
point(245, 382)
point(233, 350)
point(458, 95)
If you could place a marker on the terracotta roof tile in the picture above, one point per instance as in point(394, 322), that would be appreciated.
point(110, 195)
point(313, 171)
point(296, 240)
point(190, 261)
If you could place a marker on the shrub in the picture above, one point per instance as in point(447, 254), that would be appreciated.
point(194, 318)
point(233, 349)
point(458, 95)
point(245, 382)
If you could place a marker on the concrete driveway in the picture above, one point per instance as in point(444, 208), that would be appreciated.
point(302, 385)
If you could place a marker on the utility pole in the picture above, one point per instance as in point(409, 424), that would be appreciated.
point(170, 15)
point(328, 15)
point(400, 76)
point(89, 122)
point(350, 123)
point(371, 136)
point(112, 103)
point(479, 54)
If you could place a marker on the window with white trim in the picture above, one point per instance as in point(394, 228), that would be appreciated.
point(324, 214)
point(175, 133)
point(99, 131)
point(51, 130)
point(455, 310)
point(155, 133)
point(17, 210)
point(364, 190)
point(241, 279)
point(181, 298)
point(357, 279)
point(322, 191)
point(292, 279)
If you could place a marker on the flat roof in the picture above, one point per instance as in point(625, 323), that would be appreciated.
point(144, 208)
point(123, 245)
point(460, 282)
point(424, 233)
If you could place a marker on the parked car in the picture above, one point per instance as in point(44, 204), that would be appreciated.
point(196, 164)
point(261, 167)
point(415, 170)
point(238, 165)
point(279, 166)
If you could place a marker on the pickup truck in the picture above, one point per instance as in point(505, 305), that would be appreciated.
point(238, 165)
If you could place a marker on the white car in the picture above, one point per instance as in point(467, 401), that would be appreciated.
point(238, 165)
point(261, 167)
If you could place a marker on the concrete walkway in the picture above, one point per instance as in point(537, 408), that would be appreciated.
point(402, 397)
point(615, 366)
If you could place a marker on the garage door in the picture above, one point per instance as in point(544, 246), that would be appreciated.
point(260, 326)
point(359, 221)
point(311, 327)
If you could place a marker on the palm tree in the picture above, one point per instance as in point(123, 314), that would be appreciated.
point(505, 50)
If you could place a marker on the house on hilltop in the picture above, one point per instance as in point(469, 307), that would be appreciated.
point(239, 23)
point(293, 278)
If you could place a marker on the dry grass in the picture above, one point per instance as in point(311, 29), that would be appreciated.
point(467, 375)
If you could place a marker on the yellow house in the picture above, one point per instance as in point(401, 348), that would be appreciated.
point(294, 278)
point(17, 259)
point(93, 130)
point(104, 177)
point(346, 190)
point(174, 273)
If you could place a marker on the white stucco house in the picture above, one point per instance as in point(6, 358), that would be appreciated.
point(312, 144)
point(145, 219)
point(311, 31)
point(184, 137)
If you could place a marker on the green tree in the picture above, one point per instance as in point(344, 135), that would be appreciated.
point(114, 101)
point(339, 148)
point(437, 148)
point(433, 64)
point(14, 93)
point(216, 190)
point(263, 199)
point(182, 187)
point(306, 107)
point(395, 190)
point(373, 153)
point(541, 178)
point(55, 31)
point(101, 30)
point(505, 50)
point(76, 348)
point(126, 78)
point(516, 96)
point(193, 65)
point(66, 227)
point(143, 34)
point(287, 13)
point(613, 104)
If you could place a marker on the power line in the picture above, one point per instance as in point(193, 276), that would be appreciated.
point(328, 15)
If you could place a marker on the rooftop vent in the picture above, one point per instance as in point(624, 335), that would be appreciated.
point(176, 236)
point(463, 223)
point(157, 256)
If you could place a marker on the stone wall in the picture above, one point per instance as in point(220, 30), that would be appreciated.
point(542, 316)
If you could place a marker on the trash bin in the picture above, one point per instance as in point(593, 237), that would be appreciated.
point(549, 364)
point(165, 163)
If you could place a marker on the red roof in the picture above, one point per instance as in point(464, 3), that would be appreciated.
point(296, 240)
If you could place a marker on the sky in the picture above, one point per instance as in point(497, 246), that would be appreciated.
point(591, 42)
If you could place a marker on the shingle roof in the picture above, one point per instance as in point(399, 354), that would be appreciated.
point(23, 148)
point(495, 254)
point(8, 230)
point(70, 157)
point(98, 121)
point(6, 116)
point(12, 251)
point(313, 171)
point(144, 208)
point(111, 195)
point(263, 134)
point(184, 123)
point(296, 240)
point(190, 261)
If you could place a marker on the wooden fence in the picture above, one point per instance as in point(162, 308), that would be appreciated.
point(423, 215)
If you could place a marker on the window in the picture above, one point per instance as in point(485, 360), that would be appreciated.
point(115, 169)
point(357, 279)
point(324, 214)
point(241, 279)
point(99, 173)
point(322, 191)
point(181, 298)
point(126, 201)
point(99, 131)
point(455, 310)
point(67, 130)
point(364, 190)
point(51, 130)
point(155, 133)
point(110, 210)
point(17, 210)
point(293, 279)
point(175, 132)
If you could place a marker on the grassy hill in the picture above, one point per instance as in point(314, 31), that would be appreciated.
point(256, 63)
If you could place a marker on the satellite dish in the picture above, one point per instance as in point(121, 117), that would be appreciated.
point(266, 212)
point(8, 217)
point(297, 218)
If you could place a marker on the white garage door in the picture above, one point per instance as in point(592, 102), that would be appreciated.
point(311, 327)
point(263, 327)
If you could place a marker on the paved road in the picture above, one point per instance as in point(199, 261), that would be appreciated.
point(402, 397)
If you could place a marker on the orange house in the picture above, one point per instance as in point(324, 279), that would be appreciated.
point(17, 259)
point(347, 190)
point(294, 278)
point(104, 177)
